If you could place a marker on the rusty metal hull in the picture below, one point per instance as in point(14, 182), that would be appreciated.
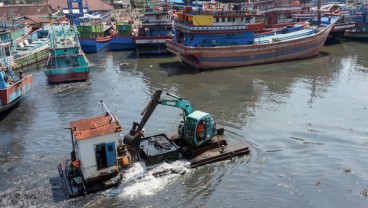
point(216, 150)
point(10, 105)
point(13, 93)
point(72, 190)
point(233, 56)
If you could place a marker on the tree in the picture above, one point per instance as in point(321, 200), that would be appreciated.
point(9, 1)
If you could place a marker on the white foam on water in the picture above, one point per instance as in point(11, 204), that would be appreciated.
point(141, 181)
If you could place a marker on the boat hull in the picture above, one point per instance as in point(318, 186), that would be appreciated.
point(338, 30)
point(9, 106)
point(12, 94)
point(67, 74)
point(233, 56)
point(151, 45)
point(122, 42)
point(356, 35)
point(74, 190)
point(92, 45)
point(36, 56)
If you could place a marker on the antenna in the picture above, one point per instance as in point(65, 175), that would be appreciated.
point(107, 110)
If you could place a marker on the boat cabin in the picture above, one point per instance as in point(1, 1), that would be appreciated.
point(95, 142)
point(199, 127)
point(222, 27)
point(156, 21)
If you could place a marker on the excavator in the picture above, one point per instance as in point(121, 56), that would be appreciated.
point(197, 134)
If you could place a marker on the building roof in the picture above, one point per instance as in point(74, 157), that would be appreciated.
point(24, 10)
point(35, 19)
point(94, 127)
point(93, 5)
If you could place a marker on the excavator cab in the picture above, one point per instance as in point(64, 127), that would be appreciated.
point(199, 127)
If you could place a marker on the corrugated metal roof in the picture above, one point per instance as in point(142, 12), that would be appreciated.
point(94, 127)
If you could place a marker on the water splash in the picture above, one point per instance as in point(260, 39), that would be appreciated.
point(140, 180)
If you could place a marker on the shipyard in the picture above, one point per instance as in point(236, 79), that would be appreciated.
point(165, 103)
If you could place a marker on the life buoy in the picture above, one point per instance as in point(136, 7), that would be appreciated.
point(213, 42)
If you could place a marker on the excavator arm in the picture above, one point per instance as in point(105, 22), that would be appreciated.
point(134, 136)
point(185, 105)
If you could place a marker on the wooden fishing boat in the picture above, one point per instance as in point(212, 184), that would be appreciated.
point(12, 87)
point(26, 50)
point(122, 37)
point(94, 37)
point(329, 13)
point(66, 61)
point(154, 28)
point(224, 39)
point(359, 15)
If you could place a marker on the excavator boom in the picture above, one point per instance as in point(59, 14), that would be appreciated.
point(183, 104)
point(133, 137)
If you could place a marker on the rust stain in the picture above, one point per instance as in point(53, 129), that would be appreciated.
point(93, 127)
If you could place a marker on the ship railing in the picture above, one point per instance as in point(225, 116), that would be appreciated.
point(284, 8)
point(7, 61)
point(178, 23)
point(220, 12)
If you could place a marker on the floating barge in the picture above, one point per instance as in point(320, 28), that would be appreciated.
point(99, 157)
point(198, 139)
point(159, 148)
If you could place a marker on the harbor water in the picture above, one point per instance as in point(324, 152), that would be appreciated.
point(305, 122)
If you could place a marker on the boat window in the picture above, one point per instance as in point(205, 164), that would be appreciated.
point(223, 19)
point(190, 124)
point(217, 19)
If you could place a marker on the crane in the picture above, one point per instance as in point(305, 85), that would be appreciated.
point(74, 18)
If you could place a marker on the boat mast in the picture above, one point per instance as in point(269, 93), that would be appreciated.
point(108, 111)
point(319, 12)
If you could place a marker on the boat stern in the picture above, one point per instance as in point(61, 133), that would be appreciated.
point(15, 90)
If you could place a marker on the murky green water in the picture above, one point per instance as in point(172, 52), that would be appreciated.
point(306, 122)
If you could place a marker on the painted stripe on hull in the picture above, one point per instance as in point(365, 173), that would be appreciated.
point(92, 46)
point(358, 35)
point(265, 56)
point(148, 41)
point(67, 74)
point(122, 43)
point(69, 77)
point(343, 27)
point(285, 55)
